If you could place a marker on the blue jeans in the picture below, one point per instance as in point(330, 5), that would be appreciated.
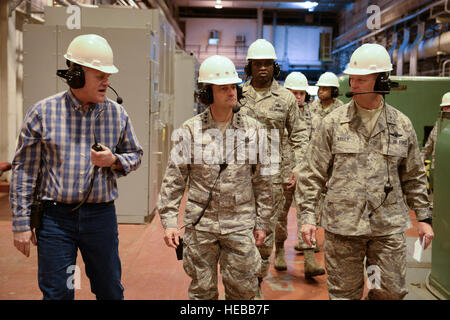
point(92, 229)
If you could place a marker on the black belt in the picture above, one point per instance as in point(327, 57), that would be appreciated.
point(49, 203)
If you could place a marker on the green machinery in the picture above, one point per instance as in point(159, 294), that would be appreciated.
point(440, 264)
point(419, 98)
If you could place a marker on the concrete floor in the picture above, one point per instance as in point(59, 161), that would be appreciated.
point(150, 270)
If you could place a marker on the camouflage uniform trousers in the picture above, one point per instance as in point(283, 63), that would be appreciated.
point(266, 248)
point(386, 261)
point(281, 231)
point(238, 258)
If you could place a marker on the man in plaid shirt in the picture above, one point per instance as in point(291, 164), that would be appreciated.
point(55, 144)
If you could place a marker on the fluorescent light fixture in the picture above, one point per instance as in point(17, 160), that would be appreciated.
point(218, 4)
point(309, 5)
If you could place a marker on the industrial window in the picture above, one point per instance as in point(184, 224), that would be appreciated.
point(213, 37)
point(325, 47)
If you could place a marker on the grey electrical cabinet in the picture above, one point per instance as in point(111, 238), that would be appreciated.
point(143, 44)
point(185, 71)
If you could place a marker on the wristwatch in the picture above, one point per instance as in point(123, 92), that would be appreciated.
point(115, 164)
point(427, 220)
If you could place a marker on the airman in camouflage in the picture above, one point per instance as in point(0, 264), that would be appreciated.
point(297, 83)
point(229, 202)
point(429, 148)
point(276, 108)
point(318, 108)
point(311, 119)
point(368, 152)
point(328, 92)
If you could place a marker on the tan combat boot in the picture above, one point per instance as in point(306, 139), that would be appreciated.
point(280, 261)
point(301, 245)
point(311, 267)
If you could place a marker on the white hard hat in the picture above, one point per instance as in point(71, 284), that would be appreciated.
point(296, 81)
point(261, 49)
point(328, 79)
point(369, 58)
point(445, 100)
point(93, 51)
point(218, 70)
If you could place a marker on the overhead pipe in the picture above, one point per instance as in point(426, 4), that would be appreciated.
point(260, 23)
point(76, 3)
point(429, 48)
point(413, 49)
point(285, 65)
point(402, 48)
point(363, 38)
point(133, 4)
point(394, 44)
point(274, 27)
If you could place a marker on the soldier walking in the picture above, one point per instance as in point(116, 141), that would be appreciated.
point(276, 108)
point(368, 152)
point(229, 202)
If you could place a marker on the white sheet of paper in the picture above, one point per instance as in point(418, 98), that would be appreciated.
point(418, 249)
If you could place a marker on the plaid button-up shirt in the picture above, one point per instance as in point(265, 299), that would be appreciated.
point(56, 138)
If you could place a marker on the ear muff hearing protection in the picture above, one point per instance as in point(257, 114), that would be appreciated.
point(205, 95)
point(382, 83)
point(75, 76)
point(307, 97)
point(334, 92)
point(248, 69)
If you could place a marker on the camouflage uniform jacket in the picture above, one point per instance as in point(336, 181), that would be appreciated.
point(277, 110)
point(355, 166)
point(429, 148)
point(316, 107)
point(241, 198)
point(311, 121)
